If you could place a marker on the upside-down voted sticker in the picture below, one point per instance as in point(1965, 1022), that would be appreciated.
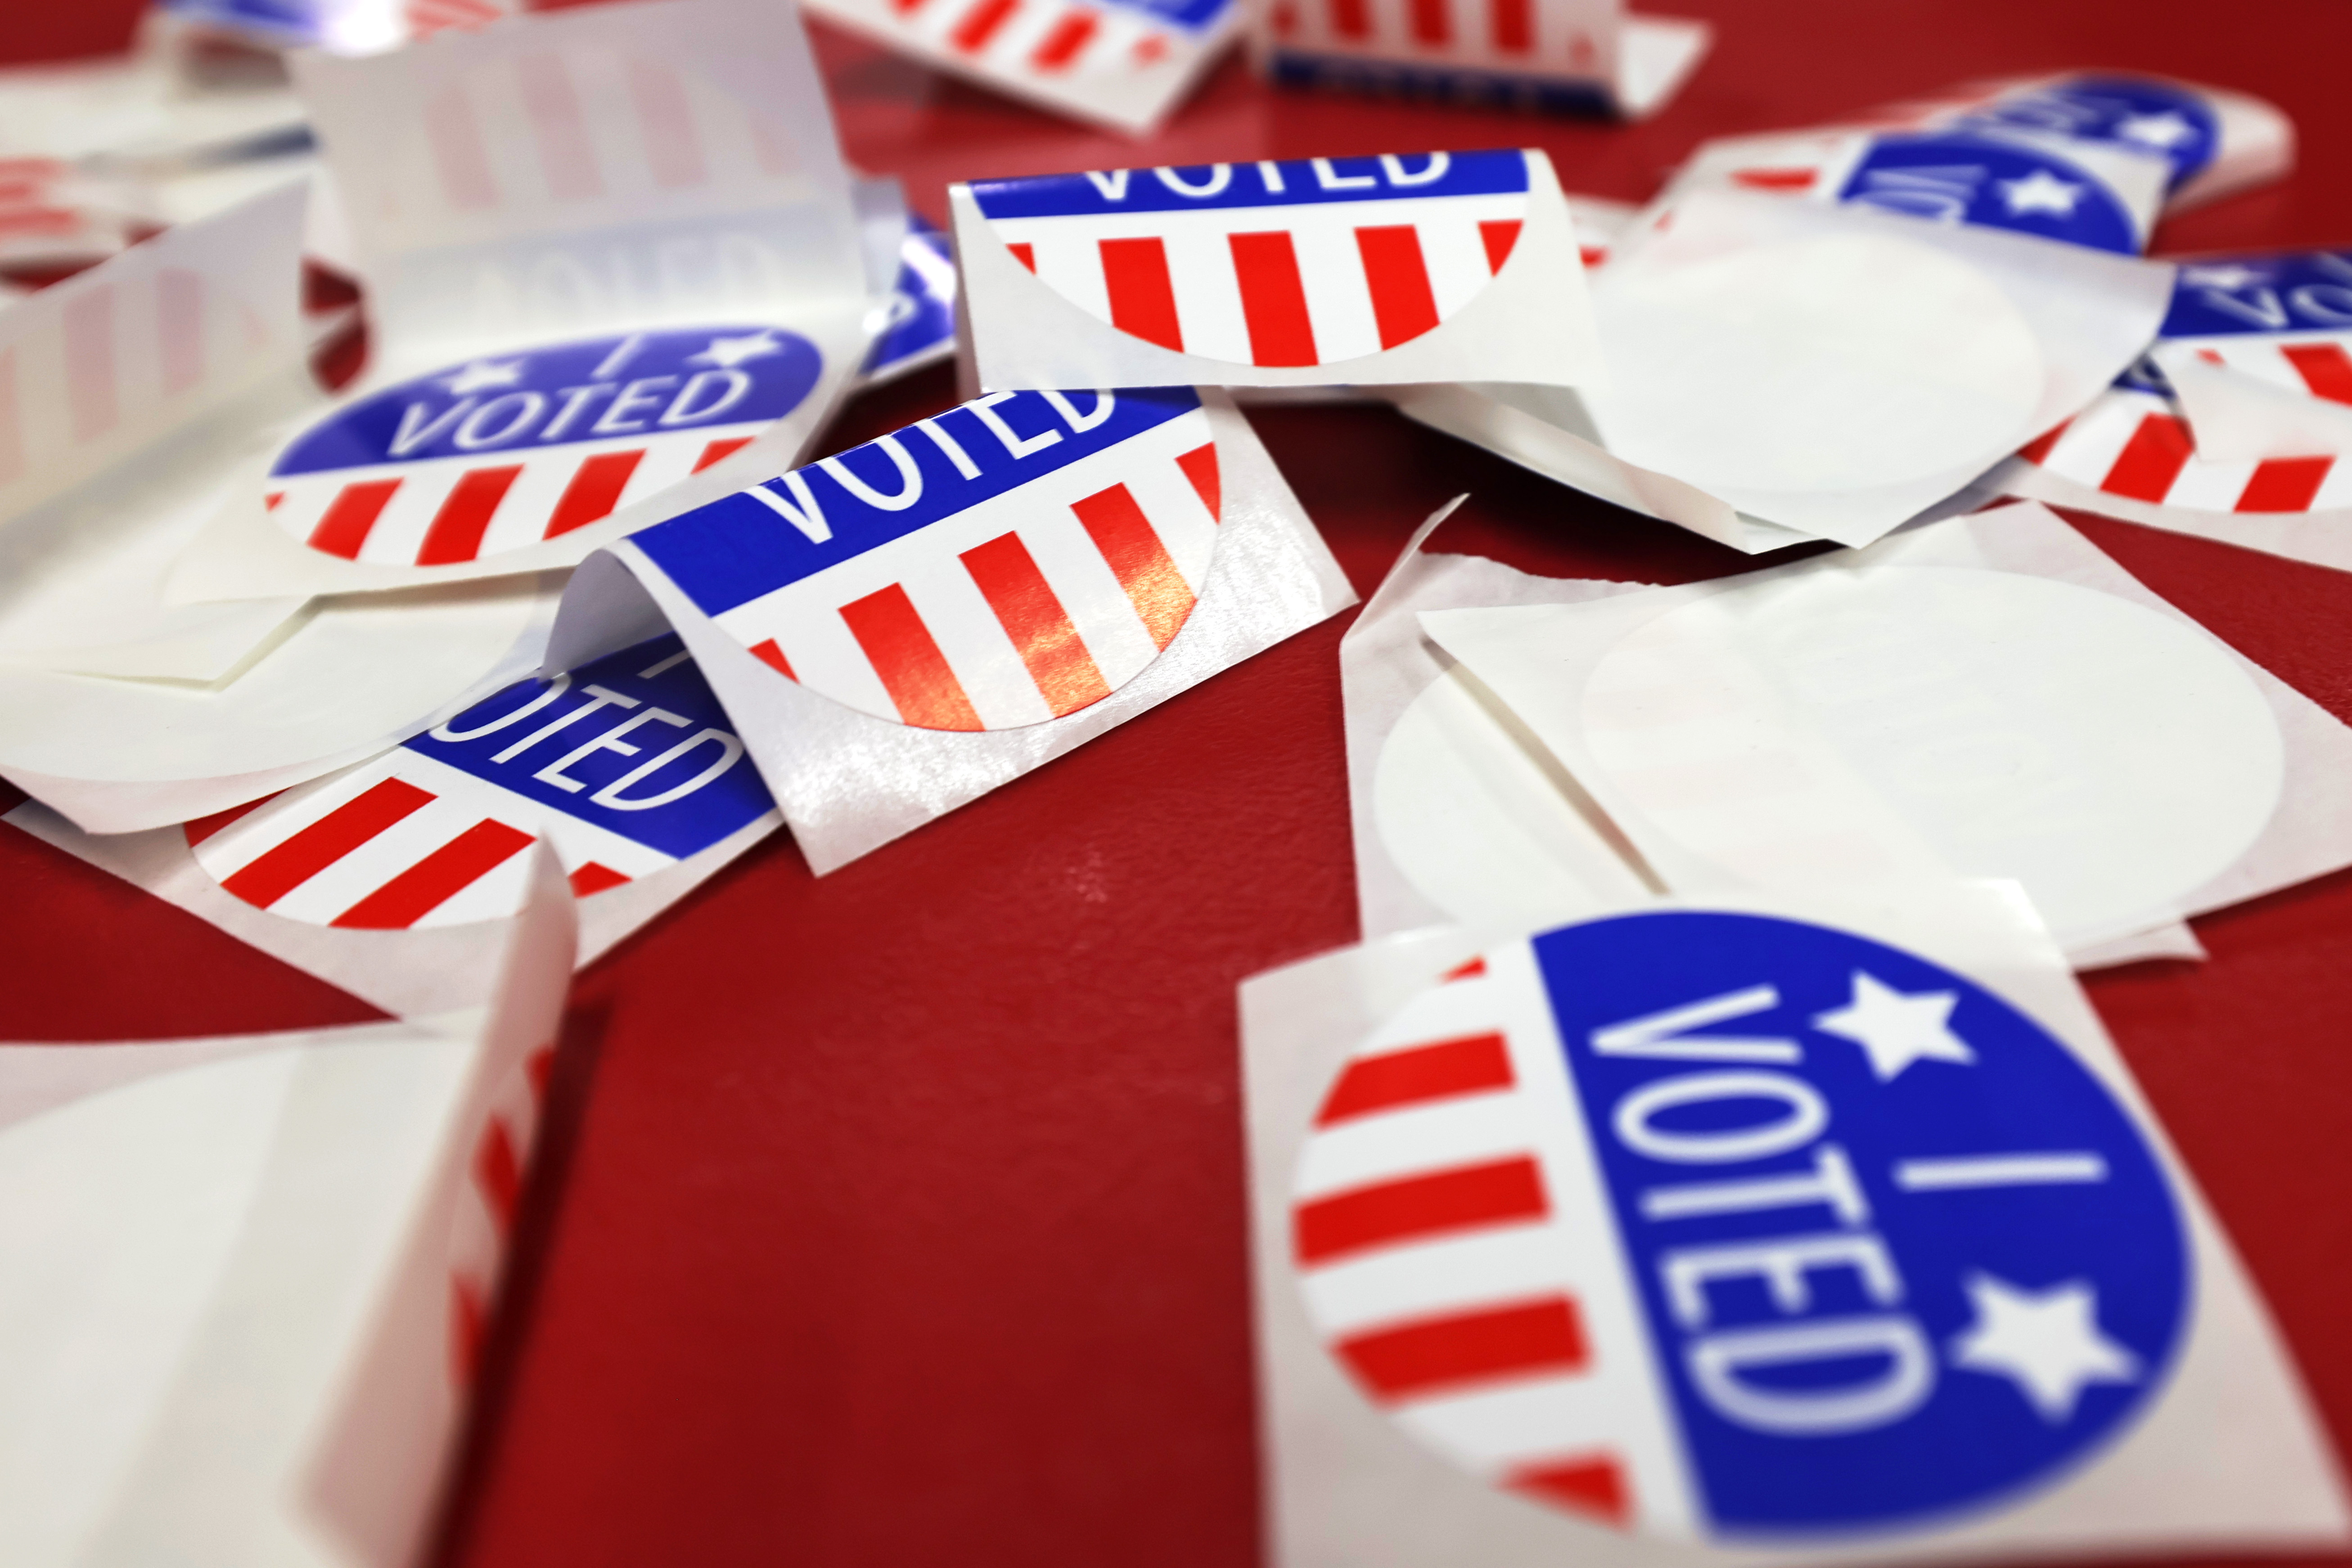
point(627, 768)
point(509, 450)
point(1425, 267)
point(1723, 1227)
point(1036, 565)
point(1124, 64)
point(1576, 56)
point(921, 326)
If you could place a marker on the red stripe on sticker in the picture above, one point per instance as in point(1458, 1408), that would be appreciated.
point(594, 491)
point(436, 879)
point(912, 669)
point(1061, 45)
point(1775, 179)
point(2324, 369)
point(269, 503)
point(1142, 301)
point(350, 517)
point(981, 23)
point(457, 528)
point(719, 451)
point(594, 878)
point(2284, 484)
point(1399, 280)
point(1513, 25)
point(279, 871)
point(1022, 252)
point(497, 1171)
point(1274, 298)
point(1032, 616)
point(1138, 558)
point(769, 654)
point(203, 827)
point(1530, 1340)
point(1501, 234)
point(1594, 1486)
point(1200, 466)
point(1475, 1064)
point(2037, 451)
point(1507, 1192)
point(1351, 18)
point(1431, 22)
point(1469, 971)
point(2150, 460)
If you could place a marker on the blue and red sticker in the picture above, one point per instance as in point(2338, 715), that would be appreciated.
point(1952, 176)
point(1724, 1227)
point(511, 450)
point(1005, 563)
point(2140, 113)
point(628, 765)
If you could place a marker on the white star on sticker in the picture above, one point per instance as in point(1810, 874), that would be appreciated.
point(728, 353)
point(1894, 1029)
point(2039, 191)
point(2229, 276)
point(483, 373)
point(2046, 1342)
point(2166, 129)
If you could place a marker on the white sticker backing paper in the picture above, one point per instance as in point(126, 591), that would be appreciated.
point(1309, 272)
point(1987, 697)
point(898, 629)
point(303, 1229)
point(614, 269)
point(1791, 1231)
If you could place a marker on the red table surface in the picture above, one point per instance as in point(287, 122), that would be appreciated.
point(896, 1218)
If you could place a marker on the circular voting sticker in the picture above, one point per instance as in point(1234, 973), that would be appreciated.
point(1723, 1227)
point(1312, 261)
point(505, 452)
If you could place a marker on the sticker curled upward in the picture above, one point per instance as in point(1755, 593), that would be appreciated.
point(1005, 563)
point(626, 765)
point(1727, 1226)
point(504, 452)
point(1305, 262)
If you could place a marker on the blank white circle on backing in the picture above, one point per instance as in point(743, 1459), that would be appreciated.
point(1474, 823)
point(2111, 758)
point(1841, 363)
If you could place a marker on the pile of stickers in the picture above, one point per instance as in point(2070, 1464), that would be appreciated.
point(1709, 1151)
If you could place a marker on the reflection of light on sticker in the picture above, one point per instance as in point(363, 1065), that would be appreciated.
point(2108, 757)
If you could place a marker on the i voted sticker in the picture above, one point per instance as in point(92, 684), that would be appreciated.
point(1305, 262)
point(1008, 562)
point(502, 453)
point(625, 767)
point(1730, 1227)
point(1954, 178)
point(921, 325)
point(2138, 112)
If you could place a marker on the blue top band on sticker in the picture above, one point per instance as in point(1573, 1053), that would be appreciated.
point(2142, 113)
point(1192, 16)
point(2275, 291)
point(635, 743)
point(1289, 183)
point(602, 389)
point(1898, 1251)
point(1955, 177)
point(750, 543)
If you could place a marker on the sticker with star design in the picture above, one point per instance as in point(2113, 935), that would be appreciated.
point(508, 451)
point(1728, 1226)
point(1952, 176)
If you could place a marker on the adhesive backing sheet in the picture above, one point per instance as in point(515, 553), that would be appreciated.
point(615, 268)
point(383, 879)
point(901, 629)
point(1309, 272)
point(305, 1229)
point(1770, 1230)
point(1987, 697)
point(1781, 370)
point(1120, 64)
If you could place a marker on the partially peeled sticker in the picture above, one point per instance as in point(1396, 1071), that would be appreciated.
point(920, 328)
point(509, 450)
point(900, 627)
point(1722, 1227)
point(1420, 267)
